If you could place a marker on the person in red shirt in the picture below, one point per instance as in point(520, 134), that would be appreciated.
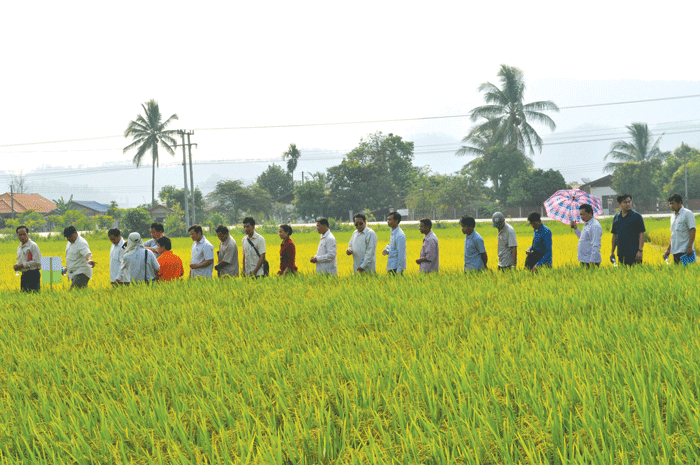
point(288, 251)
point(170, 264)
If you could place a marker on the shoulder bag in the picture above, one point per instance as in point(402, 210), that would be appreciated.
point(266, 264)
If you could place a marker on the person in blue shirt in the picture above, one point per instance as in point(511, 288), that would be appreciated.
point(396, 250)
point(475, 257)
point(540, 253)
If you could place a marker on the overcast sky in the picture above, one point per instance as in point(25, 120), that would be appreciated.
point(81, 70)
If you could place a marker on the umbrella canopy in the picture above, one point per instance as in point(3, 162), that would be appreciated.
point(563, 205)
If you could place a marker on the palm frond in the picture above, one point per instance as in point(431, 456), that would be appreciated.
point(539, 118)
point(486, 111)
point(134, 143)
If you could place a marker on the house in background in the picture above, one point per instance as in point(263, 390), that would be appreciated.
point(602, 188)
point(20, 203)
point(89, 207)
point(159, 213)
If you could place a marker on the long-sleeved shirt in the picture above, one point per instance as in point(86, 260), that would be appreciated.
point(589, 240)
point(288, 255)
point(542, 244)
point(29, 256)
point(364, 250)
point(140, 265)
point(473, 248)
point(397, 251)
point(326, 254)
point(431, 252)
point(116, 258)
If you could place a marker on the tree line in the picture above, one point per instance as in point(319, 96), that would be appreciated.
point(379, 176)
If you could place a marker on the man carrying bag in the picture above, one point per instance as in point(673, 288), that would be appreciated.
point(254, 262)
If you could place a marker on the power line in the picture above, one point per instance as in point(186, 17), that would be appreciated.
point(339, 123)
point(629, 102)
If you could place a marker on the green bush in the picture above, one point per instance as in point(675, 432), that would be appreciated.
point(137, 220)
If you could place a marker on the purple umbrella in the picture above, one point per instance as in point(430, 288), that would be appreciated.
point(563, 205)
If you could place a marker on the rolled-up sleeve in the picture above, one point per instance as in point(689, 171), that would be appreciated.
point(547, 242)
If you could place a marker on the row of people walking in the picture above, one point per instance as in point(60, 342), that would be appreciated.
point(136, 261)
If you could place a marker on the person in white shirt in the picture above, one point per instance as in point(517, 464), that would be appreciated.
point(202, 257)
point(28, 261)
point(79, 262)
point(116, 258)
point(589, 239)
point(254, 262)
point(139, 263)
point(326, 255)
point(396, 249)
point(363, 246)
point(507, 243)
point(682, 230)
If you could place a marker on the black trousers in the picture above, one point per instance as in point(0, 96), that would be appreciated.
point(628, 260)
point(30, 281)
point(532, 259)
point(80, 281)
point(677, 257)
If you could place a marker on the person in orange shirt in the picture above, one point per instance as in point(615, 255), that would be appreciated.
point(170, 264)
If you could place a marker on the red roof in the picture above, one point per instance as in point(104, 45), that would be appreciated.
point(24, 202)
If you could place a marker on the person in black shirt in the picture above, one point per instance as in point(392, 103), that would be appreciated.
point(628, 233)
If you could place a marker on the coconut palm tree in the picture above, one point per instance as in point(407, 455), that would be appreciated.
point(641, 150)
point(477, 142)
point(148, 132)
point(507, 117)
point(292, 156)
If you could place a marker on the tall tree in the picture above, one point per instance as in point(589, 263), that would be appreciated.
point(641, 149)
point(500, 165)
point(231, 198)
point(311, 198)
point(507, 117)
point(640, 180)
point(148, 132)
point(276, 181)
point(292, 156)
point(533, 187)
point(374, 176)
point(673, 171)
point(172, 196)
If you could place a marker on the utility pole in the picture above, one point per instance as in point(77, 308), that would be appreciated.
point(12, 199)
point(189, 146)
point(184, 171)
point(685, 169)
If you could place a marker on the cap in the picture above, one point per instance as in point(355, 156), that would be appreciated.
point(498, 220)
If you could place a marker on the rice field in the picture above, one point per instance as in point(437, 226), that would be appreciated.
point(566, 366)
